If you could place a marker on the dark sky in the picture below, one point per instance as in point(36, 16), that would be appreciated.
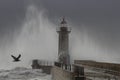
point(99, 17)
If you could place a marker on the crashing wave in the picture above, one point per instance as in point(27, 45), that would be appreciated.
point(21, 73)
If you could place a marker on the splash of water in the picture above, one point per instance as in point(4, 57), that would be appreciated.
point(37, 39)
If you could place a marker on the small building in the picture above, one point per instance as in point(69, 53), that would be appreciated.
point(42, 64)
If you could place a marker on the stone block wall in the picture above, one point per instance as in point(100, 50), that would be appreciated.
point(60, 74)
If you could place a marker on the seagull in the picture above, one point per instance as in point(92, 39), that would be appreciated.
point(16, 59)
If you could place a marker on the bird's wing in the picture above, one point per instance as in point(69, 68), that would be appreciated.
point(13, 57)
point(19, 56)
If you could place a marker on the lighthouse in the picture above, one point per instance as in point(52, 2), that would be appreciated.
point(63, 43)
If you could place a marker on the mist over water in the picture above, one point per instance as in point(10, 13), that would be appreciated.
point(38, 39)
point(84, 47)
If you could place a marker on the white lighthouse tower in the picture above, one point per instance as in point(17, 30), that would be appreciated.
point(63, 45)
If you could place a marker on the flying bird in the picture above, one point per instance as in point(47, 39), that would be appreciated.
point(16, 59)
